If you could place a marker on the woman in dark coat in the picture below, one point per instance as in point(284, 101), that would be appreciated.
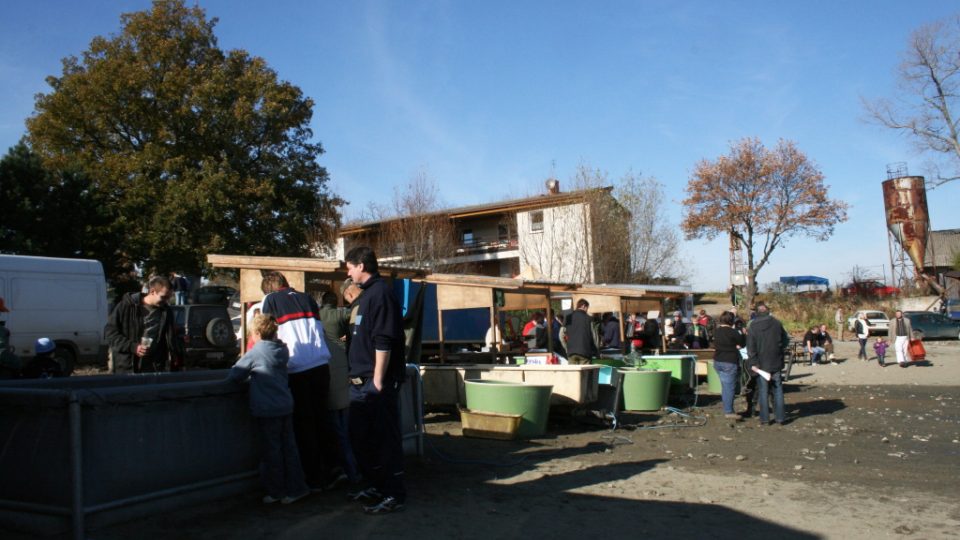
point(726, 360)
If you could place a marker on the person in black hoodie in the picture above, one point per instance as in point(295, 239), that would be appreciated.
point(144, 315)
point(377, 368)
point(766, 342)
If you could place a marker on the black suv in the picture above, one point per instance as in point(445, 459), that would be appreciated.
point(207, 335)
point(213, 294)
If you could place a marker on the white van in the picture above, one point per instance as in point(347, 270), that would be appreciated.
point(62, 299)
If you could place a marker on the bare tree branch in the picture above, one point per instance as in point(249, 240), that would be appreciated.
point(929, 81)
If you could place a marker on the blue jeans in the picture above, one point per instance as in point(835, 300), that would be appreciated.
point(763, 386)
point(816, 354)
point(280, 470)
point(180, 298)
point(340, 422)
point(727, 371)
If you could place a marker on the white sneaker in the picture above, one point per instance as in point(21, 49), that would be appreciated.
point(294, 498)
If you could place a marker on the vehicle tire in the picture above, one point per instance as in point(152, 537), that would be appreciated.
point(220, 333)
point(65, 356)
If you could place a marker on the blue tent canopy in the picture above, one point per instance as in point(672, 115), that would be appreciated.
point(804, 280)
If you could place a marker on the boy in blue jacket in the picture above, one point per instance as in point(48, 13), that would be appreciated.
point(272, 405)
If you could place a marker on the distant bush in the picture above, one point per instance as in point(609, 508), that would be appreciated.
point(799, 313)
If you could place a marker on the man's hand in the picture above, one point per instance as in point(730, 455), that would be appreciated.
point(141, 351)
point(378, 383)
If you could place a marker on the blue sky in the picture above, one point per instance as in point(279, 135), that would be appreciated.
point(490, 98)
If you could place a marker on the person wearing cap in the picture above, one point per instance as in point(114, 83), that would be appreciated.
point(43, 365)
point(336, 323)
point(141, 331)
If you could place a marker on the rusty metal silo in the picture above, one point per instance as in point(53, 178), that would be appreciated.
point(905, 202)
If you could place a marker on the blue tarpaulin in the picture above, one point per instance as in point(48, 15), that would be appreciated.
point(804, 280)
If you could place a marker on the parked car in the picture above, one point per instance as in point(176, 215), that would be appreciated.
point(213, 294)
point(207, 335)
point(933, 325)
point(877, 321)
point(872, 288)
point(953, 308)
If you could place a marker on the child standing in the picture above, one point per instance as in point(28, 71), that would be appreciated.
point(880, 347)
point(272, 405)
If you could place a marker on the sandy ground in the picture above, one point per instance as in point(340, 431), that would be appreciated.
point(867, 453)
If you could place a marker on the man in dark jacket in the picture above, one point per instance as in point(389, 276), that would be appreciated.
point(141, 331)
point(580, 344)
point(766, 342)
point(377, 369)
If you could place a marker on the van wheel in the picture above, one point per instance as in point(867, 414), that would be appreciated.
point(65, 357)
point(220, 333)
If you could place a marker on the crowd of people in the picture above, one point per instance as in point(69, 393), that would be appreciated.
point(324, 380)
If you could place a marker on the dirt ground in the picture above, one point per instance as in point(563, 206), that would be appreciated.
point(866, 453)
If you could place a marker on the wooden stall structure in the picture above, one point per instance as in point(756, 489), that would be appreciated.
point(303, 273)
point(458, 291)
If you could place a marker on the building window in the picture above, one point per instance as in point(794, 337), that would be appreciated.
point(503, 232)
point(536, 221)
point(468, 237)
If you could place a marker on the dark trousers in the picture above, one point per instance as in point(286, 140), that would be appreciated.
point(310, 389)
point(280, 470)
point(375, 436)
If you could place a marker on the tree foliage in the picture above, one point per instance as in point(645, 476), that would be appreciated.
point(928, 103)
point(192, 149)
point(53, 214)
point(760, 197)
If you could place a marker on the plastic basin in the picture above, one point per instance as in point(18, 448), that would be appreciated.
point(530, 401)
point(645, 390)
point(681, 368)
point(713, 379)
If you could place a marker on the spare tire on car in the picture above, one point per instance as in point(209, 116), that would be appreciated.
point(220, 332)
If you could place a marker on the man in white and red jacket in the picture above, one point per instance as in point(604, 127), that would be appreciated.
point(300, 329)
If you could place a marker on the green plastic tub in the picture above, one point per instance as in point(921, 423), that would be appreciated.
point(644, 389)
point(713, 379)
point(682, 368)
point(531, 401)
point(612, 362)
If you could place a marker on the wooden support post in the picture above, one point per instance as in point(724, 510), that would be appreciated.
point(443, 347)
point(495, 346)
point(549, 325)
point(620, 320)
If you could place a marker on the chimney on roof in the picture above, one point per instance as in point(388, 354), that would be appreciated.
point(553, 186)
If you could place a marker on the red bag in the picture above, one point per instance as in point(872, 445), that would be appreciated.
point(917, 352)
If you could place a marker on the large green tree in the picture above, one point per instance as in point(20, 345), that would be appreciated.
point(193, 149)
point(53, 213)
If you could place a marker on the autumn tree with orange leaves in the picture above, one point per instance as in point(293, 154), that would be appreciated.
point(760, 197)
